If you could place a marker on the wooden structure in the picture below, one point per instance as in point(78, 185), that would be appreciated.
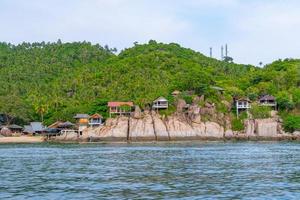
point(82, 121)
point(268, 100)
point(120, 108)
point(242, 104)
point(160, 103)
point(15, 128)
point(95, 120)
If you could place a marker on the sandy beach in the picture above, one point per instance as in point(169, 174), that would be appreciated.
point(21, 139)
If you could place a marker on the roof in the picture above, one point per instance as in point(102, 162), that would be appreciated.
point(14, 126)
point(55, 124)
point(160, 99)
point(37, 126)
point(81, 116)
point(96, 116)
point(66, 124)
point(28, 129)
point(119, 103)
point(267, 98)
point(243, 99)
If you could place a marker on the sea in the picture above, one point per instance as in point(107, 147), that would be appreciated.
point(185, 170)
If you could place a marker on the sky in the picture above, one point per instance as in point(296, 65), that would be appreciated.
point(255, 30)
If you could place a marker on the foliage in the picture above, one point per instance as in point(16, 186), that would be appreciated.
point(54, 81)
point(291, 123)
point(237, 124)
point(260, 112)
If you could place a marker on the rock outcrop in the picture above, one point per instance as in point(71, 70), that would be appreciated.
point(184, 124)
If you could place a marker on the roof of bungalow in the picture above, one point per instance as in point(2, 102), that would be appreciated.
point(96, 116)
point(267, 98)
point(119, 103)
point(28, 129)
point(66, 124)
point(14, 126)
point(37, 126)
point(81, 116)
point(243, 99)
point(160, 99)
point(55, 124)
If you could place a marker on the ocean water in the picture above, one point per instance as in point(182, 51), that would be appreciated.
point(213, 170)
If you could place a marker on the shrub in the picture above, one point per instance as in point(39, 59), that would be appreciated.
point(260, 112)
point(168, 112)
point(291, 123)
point(237, 124)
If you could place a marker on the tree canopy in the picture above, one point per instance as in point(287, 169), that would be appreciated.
point(53, 81)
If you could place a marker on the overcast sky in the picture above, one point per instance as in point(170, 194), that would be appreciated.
point(255, 30)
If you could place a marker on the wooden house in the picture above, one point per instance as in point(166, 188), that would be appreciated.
point(120, 108)
point(268, 100)
point(160, 103)
point(242, 104)
point(82, 121)
point(95, 120)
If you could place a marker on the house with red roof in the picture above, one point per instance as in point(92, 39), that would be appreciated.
point(120, 108)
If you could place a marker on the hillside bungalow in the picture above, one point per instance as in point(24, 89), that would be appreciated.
point(242, 104)
point(160, 103)
point(95, 120)
point(82, 121)
point(268, 100)
point(120, 108)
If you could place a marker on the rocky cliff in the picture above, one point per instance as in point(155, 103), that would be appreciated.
point(183, 125)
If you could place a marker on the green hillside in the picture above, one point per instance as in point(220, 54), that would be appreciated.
point(54, 81)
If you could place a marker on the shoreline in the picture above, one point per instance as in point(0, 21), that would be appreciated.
point(41, 139)
point(22, 139)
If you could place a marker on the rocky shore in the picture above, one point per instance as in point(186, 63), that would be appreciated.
point(150, 126)
point(195, 123)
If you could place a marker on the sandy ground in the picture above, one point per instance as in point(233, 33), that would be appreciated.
point(22, 139)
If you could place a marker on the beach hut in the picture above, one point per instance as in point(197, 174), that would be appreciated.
point(95, 120)
point(242, 104)
point(268, 100)
point(120, 108)
point(15, 128)
point(82, 121)
point(37, 127)
point(160, 103)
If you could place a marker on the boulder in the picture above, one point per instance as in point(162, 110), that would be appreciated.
point(137, 112)
point(160, 128)
point(266, 127)
point(213, 130)
point(141, 129)
point(114, 129)
point(178, 127)
point(181, 105)
point(249, 127)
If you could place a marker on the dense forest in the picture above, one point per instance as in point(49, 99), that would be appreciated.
point(53, 81)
